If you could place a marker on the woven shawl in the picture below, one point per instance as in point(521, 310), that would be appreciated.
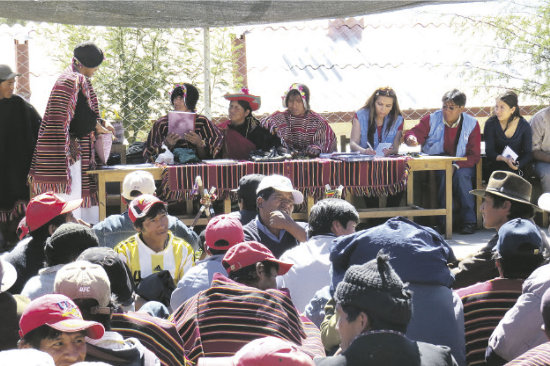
point(50, 164)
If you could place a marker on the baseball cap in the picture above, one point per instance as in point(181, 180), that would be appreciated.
point(122, 285)
point(248, 253)
point(45, 207)
point(6, 73)
point(282, 184)
point(518, 237)
point(22, 228)
point(267, 351)
point(60, 313)
point(84, 280)
point(140, 206)
point(226, 228)
point(8, 275)
point(140, 181)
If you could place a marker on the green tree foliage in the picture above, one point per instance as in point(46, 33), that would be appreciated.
point(519, 56)
point(141, 67)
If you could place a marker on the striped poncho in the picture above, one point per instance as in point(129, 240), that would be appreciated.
point(220, 320)
point(298, 133)
point(53, 154)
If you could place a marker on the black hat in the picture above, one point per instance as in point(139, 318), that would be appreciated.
point(88, 54)
point(67, 242)
point(248, 185)
point(377, 289)
point(122, 285)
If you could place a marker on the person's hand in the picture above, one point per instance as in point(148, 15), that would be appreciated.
point(411, 141)
point(109, 127)
point(511, 163)
point(100, 129)
point(171, 140)
point(279, 220)
point(313, 151)
point(369, 151)
point(193, 138)
point(390, 151)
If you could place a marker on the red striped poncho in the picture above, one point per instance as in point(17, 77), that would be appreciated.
point(218, 321)
point(297, 133)
point(52, 157)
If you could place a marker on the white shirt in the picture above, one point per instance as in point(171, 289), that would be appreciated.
point(310, 271)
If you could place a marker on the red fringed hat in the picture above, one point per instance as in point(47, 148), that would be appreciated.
point(254, 100)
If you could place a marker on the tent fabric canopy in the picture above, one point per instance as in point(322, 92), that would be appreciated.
point(190, 14)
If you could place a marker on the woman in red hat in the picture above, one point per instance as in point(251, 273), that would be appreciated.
point(242, 131)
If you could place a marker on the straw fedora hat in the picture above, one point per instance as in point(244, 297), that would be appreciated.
point(508, 185)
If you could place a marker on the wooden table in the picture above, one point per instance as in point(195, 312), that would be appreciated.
point(424, 163)
point(116, 173)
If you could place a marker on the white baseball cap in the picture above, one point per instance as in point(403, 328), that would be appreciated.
point(282, 184)
point(140, 181)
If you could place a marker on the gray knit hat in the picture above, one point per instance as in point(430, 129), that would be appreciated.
point(377, 289)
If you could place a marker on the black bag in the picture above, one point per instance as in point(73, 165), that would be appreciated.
point(157, 287)
point(84, 119)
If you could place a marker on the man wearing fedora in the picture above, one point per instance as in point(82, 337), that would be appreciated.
point(507, 197)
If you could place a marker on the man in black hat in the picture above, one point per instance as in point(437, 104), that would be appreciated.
point(507, 197)
point(18, 131)
point(374, 309)
point(65, 147)
point(246, 195)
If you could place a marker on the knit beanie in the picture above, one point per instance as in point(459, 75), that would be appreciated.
point(375, 288)
point(88, 54)
point(67, 242)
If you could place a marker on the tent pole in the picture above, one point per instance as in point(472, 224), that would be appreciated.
point(207, 96)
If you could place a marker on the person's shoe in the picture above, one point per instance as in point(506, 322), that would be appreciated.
point(468, 229)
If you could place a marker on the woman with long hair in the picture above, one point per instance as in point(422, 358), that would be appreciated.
point(299, 128)
point(242, 131)
point(205, 140)
point(379, 121)
point(507, 128)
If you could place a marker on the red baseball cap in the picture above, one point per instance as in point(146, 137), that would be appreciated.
point(267, 351)
point(60, 313)
point(248, 253)
point(22, 228)
point(223, 227)
point(46, 206)
point(140, 206)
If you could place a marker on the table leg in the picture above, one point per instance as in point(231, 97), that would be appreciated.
point(102, 197)
point(310, 201)
point(449, 200)
point(227, 205)
point(410, 192)
point(122, 204)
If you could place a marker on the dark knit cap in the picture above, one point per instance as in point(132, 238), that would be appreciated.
point(67, 242)
point(375, 288)
point(88, 54)
point(122, 284)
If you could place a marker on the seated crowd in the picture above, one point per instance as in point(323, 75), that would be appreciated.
point(258, 287)
point(253, 286)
